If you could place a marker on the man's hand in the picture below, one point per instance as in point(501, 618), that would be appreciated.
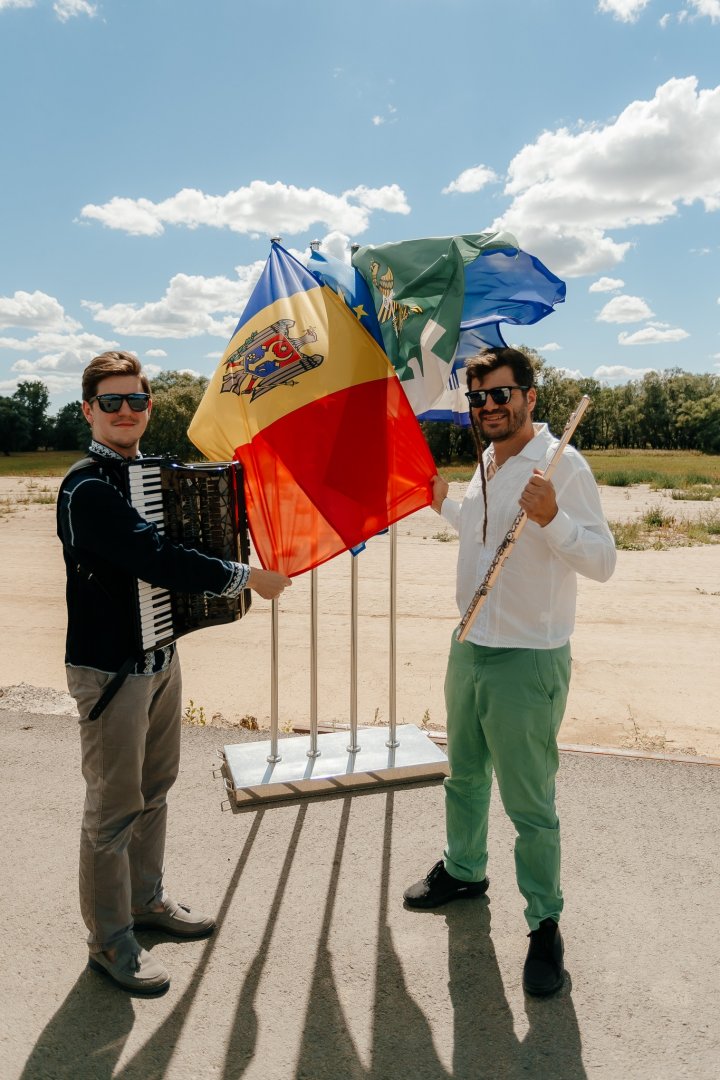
point(267, 583)
point(440, 490)
point(538, 499)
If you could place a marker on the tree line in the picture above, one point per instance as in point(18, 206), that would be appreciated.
point(25, 423)
point(669, 410)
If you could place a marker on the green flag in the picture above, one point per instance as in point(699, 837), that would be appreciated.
point(418, 287)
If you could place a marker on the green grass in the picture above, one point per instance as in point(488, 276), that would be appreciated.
point(39, 463)
point(659, 468)
point(680, 470)
point(657, 530)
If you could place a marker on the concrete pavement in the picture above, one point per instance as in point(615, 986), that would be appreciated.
point(317, 971)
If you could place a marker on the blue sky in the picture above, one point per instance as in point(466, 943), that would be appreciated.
point(151, 147)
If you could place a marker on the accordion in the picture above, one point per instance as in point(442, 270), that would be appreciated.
point(199, 506)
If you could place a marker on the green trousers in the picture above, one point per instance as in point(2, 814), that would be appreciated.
point(504, 708)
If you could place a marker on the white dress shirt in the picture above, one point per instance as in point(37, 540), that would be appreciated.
point(532, 603)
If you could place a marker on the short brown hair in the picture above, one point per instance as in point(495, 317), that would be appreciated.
point(111, 363)
point(480, 365)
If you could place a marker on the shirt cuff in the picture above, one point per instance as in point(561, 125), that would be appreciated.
point(560, 530)
point(238, 580)
point(450, 510)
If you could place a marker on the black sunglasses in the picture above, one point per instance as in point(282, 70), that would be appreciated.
point(113, 402)
point(500, 395)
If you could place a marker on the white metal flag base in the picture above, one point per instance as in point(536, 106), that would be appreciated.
point(340, 761)
point(256, 773)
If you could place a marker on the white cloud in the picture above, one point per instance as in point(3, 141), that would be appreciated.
point(552, 346)
point(711, 8)
point(571, 188)
point(471, 180)
point(34, 311)
point(570, 373)
point(258, 208)
point(16, 4)
point(187, 309)
point(624, 10)
point(606, 284)
point(389, 118)
point(615, 374)
point(336, 244)
point(63, 357)
point(625, 309)
point(156, 353)
point(652, 335)
point(56, 383)
point(51, 341)
point(62, 360)
point(68, 9)
point(664, 20)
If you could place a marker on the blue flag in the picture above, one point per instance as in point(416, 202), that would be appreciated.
point(350, 286)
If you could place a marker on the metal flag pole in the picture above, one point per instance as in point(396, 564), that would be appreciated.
point(313, 752)
point(353, 748)
point(392, 741)
point(274, 756)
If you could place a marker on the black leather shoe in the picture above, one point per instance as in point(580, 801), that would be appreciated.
point(439, 887)
point(544, 973)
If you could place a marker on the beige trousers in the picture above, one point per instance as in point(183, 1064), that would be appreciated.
point(130, 759)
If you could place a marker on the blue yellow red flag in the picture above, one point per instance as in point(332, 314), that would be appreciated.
point(310, 405)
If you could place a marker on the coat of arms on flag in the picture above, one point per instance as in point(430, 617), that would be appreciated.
point(269, 358)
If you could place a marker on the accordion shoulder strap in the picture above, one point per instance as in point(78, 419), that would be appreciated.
point(112, 688)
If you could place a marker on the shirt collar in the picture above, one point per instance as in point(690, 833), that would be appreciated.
point(534, 450)
point(101, 450)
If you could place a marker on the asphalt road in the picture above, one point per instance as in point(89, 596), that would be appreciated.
point(316, 970)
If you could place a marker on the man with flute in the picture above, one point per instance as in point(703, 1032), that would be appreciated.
point(507, 681)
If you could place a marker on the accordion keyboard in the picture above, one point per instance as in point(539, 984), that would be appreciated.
point(154, 604)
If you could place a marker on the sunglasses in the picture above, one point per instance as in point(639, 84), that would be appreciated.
point(113, 402)
point(500, 395)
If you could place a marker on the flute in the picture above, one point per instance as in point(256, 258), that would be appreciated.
point(515, 529)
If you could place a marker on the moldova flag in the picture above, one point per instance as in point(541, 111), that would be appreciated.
point(310, 405)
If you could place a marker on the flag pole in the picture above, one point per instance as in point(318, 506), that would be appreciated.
point(392, 741)
point(274, 756)
point(353, 748)
point(313, 752)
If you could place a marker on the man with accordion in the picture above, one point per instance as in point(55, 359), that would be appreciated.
point(507, 684)
point(124, 578)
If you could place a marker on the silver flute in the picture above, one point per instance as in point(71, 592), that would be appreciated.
point(515, 529)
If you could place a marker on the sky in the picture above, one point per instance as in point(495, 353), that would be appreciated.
point(151, 148)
